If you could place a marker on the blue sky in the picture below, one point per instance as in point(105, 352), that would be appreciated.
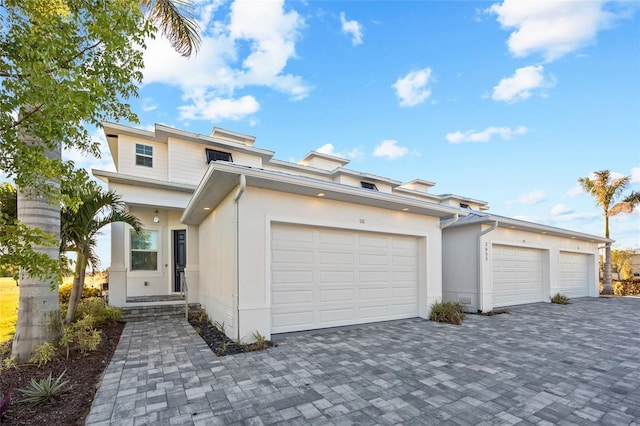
point(508, 102)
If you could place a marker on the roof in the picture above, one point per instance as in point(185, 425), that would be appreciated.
point(221, 178)
point(478, 218)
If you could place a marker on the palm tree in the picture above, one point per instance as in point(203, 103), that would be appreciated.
point(605, 190)
point(176, 21)
point(81, 226)
point(38, 307)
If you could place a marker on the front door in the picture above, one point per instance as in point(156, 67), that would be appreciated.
point(179, 257)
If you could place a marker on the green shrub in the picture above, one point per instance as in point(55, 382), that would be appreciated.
point(64, 292)
point(100, 312)
point(43, 354)
point(626, 288)
point(260, 341)
point(44, 391)
point(449, 312)
point(81, 335)
point(560, 299)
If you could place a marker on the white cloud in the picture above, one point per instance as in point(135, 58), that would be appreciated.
point(486, 134)
point(635, 175)
point(533, 197)
point(551, 28)
point(330, 149)
point(352, 28)
point(560, 209)
point(413, 89)
point(575, 191)
point(521, 84)
point(148, 105)
point(219, 109)
point(389, 149)
point(250, 46)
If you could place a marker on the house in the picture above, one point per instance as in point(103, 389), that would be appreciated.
point(275, 246)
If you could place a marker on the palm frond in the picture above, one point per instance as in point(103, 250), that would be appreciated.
point(177, 23)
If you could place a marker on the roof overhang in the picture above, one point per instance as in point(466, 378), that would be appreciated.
point(221, 178)
point(119, 178)
point(521, 225)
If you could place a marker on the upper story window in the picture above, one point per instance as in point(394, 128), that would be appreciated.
point(144, 155)
point(369, 185)
point(464, 206)
point(213, 155)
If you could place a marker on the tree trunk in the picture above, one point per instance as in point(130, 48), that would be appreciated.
point(607, 287)
point(78, 285)
point(39, 318)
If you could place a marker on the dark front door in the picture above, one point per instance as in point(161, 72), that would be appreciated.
point(179, 257)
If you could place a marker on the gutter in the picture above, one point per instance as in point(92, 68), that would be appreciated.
point(236, 199)
point(480, 235)
point(451, 221)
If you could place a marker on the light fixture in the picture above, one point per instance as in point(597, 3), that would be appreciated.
point(156, 219)
point(320, 194)
point(406, 209)
point(207, 208)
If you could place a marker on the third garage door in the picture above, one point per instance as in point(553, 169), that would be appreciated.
point(517, 275)
point(574, 274)
point(325, 277)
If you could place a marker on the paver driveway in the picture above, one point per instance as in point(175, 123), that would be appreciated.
point(540, 364)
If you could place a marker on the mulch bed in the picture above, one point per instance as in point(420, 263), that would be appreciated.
point(83, 373)
point(219, 343)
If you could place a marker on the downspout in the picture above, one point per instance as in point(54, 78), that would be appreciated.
point(451, 221)
point(236, 199)
point(480, 235)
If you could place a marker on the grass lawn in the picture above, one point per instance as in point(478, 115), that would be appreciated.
point(8, 308)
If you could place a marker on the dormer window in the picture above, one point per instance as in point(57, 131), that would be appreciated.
point(144, 155)
point(369, 185)
point(213, 155)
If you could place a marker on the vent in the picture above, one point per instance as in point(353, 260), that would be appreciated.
point(464, 300)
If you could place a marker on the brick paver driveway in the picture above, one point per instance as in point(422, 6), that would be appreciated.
point(540, 364)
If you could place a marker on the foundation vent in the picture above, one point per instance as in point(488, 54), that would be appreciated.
point(464, 300)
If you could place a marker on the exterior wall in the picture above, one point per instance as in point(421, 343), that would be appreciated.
point(259, 208)
point(151, 197)
point(127, 158)
point(635, 264)
point(187, 161)
point(467, 258)
point(460, 266)
point(552, 247)
point(217, 262)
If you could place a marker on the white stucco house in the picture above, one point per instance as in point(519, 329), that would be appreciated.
point(275, 246)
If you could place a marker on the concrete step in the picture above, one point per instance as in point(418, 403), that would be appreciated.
point(142, 312)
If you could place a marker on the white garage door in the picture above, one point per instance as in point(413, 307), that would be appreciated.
point(325, 277)
point(517, 275)
point(574, 274)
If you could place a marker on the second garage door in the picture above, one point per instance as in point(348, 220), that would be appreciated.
point(326, 277)
point(574, 274)
point(517, 275)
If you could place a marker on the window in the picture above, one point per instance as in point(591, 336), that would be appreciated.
point(144, 251)
point(369, 185)
point(213, 155)
point(144, 155)
point(464, 206)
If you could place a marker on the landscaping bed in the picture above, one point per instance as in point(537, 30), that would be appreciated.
point(83, 371)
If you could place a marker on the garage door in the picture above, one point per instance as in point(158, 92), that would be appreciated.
point(574, 274)
point(517, 275)
point(325, 277)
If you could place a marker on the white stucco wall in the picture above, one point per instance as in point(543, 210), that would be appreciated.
point(217, 265)
point(259, 208)
point(460, 266)
point(464, 240)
